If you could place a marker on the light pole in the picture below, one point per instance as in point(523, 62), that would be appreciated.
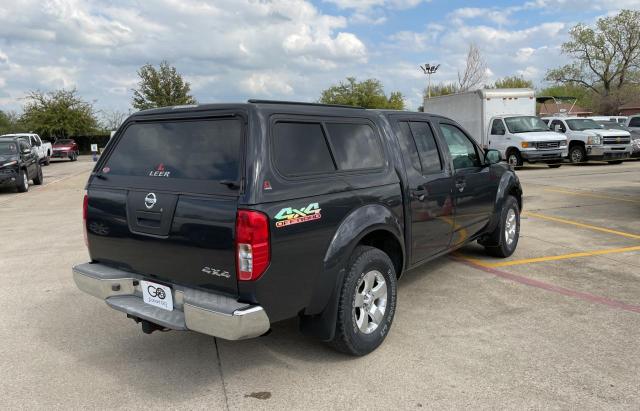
point(428, 69)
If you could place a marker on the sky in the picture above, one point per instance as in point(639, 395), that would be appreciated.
point(233, 50)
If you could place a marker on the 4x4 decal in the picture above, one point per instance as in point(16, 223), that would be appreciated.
point(288, 215)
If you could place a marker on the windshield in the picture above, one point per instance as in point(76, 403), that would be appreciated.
point(525, 124)
point(611, 125)
point(8, 148)
point(64, 141)
point(581, 124)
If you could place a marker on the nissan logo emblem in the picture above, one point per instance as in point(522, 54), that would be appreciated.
point(150, 200)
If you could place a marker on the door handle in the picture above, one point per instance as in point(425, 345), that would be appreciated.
point(419, 194)
point(461, 184)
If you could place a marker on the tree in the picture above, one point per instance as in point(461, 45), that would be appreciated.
point(512, 82)
point(161, 87)
point(8, 122)
point(475, 71)
point(442, 89)
point(111, 119)
point(59, 113)
point(584, 96)
point(368, 94)
point(606, 57)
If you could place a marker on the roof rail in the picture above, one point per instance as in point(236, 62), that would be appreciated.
point(301, 103)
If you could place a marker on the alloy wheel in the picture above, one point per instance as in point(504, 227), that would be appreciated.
point(370, 302)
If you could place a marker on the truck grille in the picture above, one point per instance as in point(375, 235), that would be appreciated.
point(616, 140)
point(548, 145)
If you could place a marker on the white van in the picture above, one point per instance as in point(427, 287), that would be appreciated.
point(504, 120)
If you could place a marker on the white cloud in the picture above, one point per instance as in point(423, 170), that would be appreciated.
point(369, 4)
point(224, 48)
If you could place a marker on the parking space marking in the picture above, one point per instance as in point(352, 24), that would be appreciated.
point(592, 298)
point(552, 257)
point(581, 194)
point(578, 224)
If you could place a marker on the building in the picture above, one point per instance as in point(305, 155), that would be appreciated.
point(629, 108)
point(550, 109)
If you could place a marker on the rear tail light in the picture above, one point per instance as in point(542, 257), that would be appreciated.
point(252, 244)
point(85, 205)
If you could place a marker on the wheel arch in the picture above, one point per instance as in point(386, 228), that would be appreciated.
point(374, 225)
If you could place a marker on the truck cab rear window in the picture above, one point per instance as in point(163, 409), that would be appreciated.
point(187, 149)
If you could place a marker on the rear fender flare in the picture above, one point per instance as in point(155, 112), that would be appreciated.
point(320, 317)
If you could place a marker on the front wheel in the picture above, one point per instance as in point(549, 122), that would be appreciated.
point(504, 239)
point(23, 182)
point(47, 160)
point(514, 159)
point(577, 154)
point(367, 302)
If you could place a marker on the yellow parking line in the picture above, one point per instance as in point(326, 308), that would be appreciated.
point(577, 224)
point(575, 193)
point(553, 257)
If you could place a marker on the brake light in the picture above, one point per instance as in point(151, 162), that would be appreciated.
point(252, 244)
point(85, 206)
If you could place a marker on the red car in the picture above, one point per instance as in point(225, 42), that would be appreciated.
point(66, 148)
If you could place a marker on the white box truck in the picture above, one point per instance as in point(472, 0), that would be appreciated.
point(503, 120)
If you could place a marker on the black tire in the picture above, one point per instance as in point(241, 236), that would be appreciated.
point(73, 157)
point(577, 154)
point(23, 182)
point(615, 162)
point(39, 178)
point(496, 244)
point(554, 165)
point(349, 338)
point(47, 160)
point(514, 158)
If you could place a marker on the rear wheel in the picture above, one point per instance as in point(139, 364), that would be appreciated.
point(577, 154)
point(367, 302)
point(514, 158)
point(554, 165)
point(23, 182)
point(38, 179)
point(615, 162)
point(504, 239)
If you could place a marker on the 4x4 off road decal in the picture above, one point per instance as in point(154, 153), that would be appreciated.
point(288, 216)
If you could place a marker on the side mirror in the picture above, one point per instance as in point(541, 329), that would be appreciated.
point(493, 156)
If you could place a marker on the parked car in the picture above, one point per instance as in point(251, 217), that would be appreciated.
point(504, 120)
point(66, 148)
point(589, 141)
point(635, 134)
point(265, 211)
point(633, 122)
point(42, 148)
point(19, 163)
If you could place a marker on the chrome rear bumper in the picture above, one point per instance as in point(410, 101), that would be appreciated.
point(208, 313)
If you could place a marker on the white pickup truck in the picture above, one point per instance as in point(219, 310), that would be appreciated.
point(589, 140)
point(44, 149)
point(504, 120)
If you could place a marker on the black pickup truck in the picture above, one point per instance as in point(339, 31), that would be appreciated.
point(224, 219)
point(18, 163)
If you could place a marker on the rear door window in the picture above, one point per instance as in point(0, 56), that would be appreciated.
point(301, 148)
point(427, 148)
point(355, 146)
point(187, 149)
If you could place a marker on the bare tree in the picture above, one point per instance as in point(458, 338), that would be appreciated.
point(111, 119)
point(475, 71)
